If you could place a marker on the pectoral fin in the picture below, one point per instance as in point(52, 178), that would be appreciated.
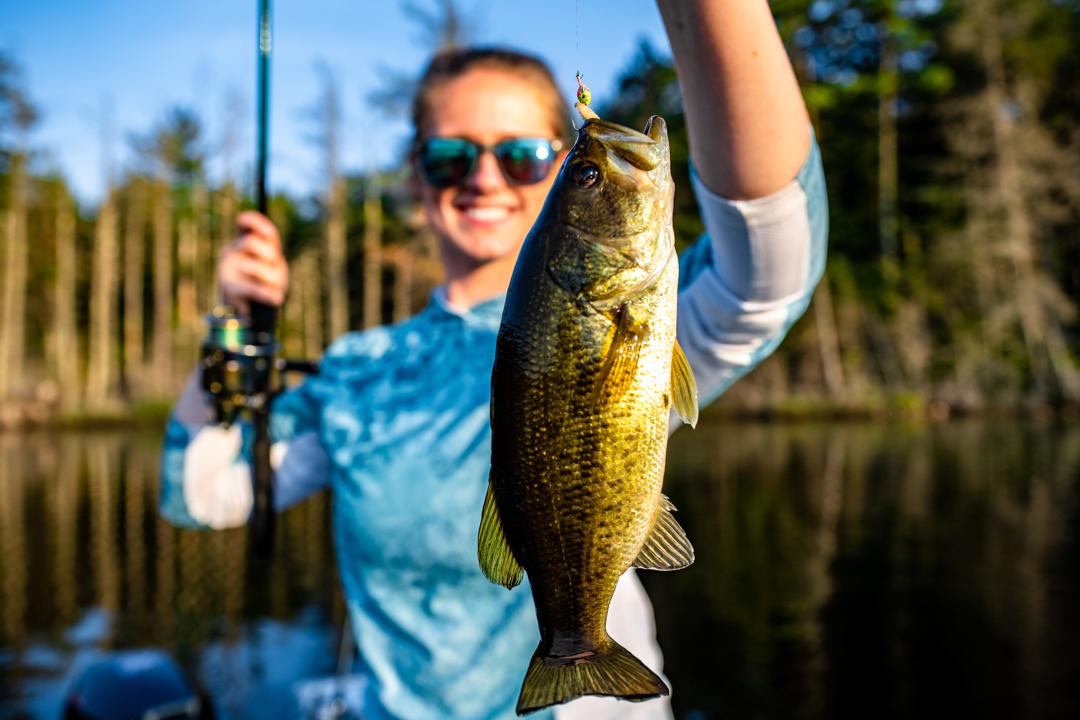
point(620, 365)
point(684, 387)
point(666, 547)
point(496, 558)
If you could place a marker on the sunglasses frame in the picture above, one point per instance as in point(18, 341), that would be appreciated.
point(476, 149)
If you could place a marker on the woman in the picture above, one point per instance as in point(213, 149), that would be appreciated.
point(397, 421)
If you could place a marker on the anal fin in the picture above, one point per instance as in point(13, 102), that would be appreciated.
point(666, 547)
point(493, 550)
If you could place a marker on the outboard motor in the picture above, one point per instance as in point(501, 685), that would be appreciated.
point(135, 685)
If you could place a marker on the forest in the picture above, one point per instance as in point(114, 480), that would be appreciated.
point(950, 133)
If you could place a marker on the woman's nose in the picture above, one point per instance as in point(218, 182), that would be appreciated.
point(487, 175)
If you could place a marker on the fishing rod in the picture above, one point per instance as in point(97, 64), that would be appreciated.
point(263, 317)
point(241, 372)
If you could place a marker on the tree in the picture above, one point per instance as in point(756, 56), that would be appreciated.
point(334, 249)
point(172, 153)
point(65, 331)
point(102, 348)
point(1021, 170)
point(439, 27)
point(102, 344)
point(372, 267)
point(134, 273)
point(17, 116)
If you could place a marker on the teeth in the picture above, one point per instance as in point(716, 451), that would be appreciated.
point(487, 214)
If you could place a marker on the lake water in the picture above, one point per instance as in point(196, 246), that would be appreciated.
point(843, 571)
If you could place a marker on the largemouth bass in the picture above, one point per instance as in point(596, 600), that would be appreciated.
point(586, 372)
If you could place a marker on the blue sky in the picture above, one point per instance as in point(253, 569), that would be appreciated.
point(138, 57)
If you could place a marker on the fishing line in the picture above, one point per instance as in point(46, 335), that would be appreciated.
point(577, 34)
point(584, 95)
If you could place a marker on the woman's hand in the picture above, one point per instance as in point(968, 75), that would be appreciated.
point(252, 267)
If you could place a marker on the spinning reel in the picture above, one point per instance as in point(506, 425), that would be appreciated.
point(240, 367)
point(241, 373)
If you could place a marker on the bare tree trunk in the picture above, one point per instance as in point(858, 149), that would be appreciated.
point(186, 256)
point(292, 335)
point(337, 287)
point(888, 153)
point(832, 366)
point(334, 250)
point(913, 343)
point(226, 230)
point(201, 263)
point(163, 295)
point(372, 260)
point(134, 256)
point(13, 315)
point(307, 269)
point(101, 342)
point(66, 332)
point(403, 284)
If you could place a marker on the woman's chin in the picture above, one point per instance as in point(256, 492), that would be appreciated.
point(485, 247)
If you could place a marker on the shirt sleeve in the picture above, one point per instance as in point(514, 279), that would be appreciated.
point(746, 281)
point(206, 479)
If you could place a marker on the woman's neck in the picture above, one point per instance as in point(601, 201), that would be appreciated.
point(469, 284)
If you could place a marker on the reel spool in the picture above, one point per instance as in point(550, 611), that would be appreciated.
point(240, 370)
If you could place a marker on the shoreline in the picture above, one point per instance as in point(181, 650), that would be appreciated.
point(147, 415)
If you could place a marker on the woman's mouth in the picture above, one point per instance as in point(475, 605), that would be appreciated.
point(485, 215)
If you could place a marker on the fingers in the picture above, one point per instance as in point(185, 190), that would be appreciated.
point(252, 267)
point(250, 222)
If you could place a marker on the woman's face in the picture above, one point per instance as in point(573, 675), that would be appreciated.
point(484, 218)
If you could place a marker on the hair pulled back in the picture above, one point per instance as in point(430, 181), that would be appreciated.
point(451, 64)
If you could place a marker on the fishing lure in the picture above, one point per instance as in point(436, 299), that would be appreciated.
point(584, 97)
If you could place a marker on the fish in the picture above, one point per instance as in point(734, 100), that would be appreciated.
point(587, 370)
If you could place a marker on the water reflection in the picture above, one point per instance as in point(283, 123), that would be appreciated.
point(842, 570)
point(87, 566)
point(875, 571)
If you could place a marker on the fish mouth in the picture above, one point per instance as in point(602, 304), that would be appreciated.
point(637, 148)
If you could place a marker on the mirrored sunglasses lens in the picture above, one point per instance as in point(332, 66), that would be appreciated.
point(446, 162)
point(525, 161)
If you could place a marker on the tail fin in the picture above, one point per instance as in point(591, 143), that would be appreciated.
point(615, 672)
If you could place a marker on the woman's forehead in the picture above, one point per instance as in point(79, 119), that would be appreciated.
point(489, 105)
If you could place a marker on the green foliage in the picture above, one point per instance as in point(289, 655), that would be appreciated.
point(17, 111)
point(173, 148)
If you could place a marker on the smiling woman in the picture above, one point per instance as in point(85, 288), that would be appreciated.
point(397, 421)
point(487, 97)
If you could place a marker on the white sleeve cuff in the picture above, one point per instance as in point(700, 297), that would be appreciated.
point(217, 489)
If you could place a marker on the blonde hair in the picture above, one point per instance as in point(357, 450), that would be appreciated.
point(451, 64)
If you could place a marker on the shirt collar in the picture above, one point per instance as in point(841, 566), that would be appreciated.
point(483, 315)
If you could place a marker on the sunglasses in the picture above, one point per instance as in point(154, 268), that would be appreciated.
point(447, 161)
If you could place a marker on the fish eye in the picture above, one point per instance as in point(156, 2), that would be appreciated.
point(585, 175)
